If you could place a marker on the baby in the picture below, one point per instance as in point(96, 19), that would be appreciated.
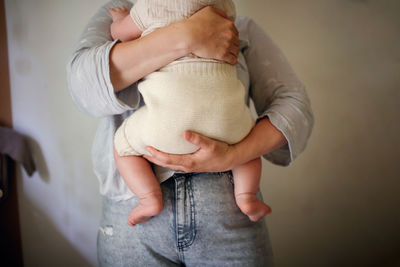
point(191, 93)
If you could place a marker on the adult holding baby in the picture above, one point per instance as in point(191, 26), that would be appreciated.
point(200, 223)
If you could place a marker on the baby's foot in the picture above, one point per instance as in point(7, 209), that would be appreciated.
point(149, 205)
point(250, 205)
point(118, 13)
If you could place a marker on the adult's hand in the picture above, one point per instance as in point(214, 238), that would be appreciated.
point(208, 34)
point(212, 156)
point(215, 156)
point(213, 35)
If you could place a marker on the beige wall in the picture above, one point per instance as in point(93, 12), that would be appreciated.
point(60, 205)
point(337, 205)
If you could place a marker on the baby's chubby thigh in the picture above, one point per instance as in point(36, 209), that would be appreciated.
point(164, 131)
point(157, 128)
point(169, 111)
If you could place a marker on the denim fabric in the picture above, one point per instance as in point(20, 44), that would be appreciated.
point(200, 225)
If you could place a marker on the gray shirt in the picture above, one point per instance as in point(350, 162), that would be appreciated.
point(270, 81)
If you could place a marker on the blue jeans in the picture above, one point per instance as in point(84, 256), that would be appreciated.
point(200, 225)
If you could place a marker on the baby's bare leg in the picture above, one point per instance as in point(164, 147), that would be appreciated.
point(140, 179)
point(247, 182)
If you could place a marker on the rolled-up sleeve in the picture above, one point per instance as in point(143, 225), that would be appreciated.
point(276, 91)
point(88, 70)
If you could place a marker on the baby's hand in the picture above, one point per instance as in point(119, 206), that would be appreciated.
point(118, 13)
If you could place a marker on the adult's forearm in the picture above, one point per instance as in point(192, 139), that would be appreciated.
point(263, 139)
point(216, 156)
point(276, 91)
point(131, 61)
point(208, 34)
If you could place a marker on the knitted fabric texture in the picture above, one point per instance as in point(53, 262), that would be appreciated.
point(204, 97)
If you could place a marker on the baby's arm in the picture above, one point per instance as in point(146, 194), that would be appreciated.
point(123, 27)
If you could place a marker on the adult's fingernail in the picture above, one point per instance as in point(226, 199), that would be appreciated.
point(189, 135)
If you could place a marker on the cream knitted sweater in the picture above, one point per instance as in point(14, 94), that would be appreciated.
point(192, 94)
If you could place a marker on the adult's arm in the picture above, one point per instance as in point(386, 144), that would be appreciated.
point(278, 95)
point(285, 117)
point(216, 156)
point(206, 34)
point(100, 68)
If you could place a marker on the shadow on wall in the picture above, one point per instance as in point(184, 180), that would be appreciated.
point(39, 159)
point(52, 248)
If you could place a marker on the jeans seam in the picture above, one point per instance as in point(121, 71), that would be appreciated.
point(182, 244)
point(192, 215)
point(176, 219)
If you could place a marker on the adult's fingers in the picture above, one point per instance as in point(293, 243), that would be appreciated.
point(234, 49)
point(234, 29)
point(231, 59)
point(197, 139)
point(221, 13)
point(171, 161)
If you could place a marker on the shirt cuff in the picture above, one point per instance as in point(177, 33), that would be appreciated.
point(284, 155)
